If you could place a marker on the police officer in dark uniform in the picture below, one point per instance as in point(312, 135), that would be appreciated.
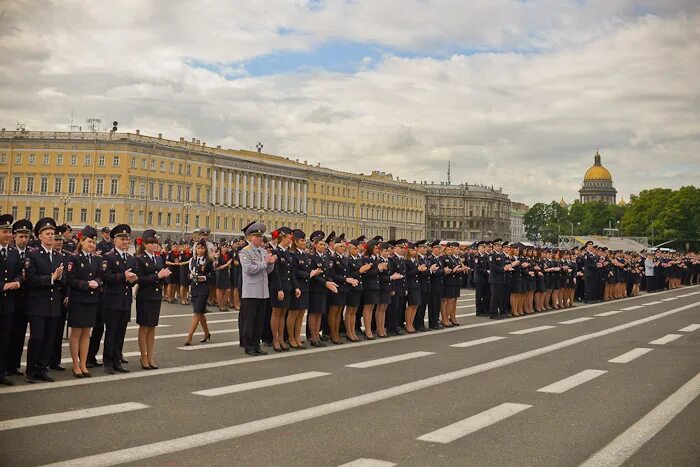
point(105, 245)
point(481, 280)
point(424, 272)
point(44, 272)
point(437, 276)
point(590, 273)
point(68, 242)
point(119, 274)
point(10, 284)
point(283, 288)
point(497, 280)
point(22, 231)
point(397, 266)
point(57, 348)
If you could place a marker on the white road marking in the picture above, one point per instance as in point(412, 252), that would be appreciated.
point(635, 307)
point(364, 462)
point(631, 355)
point(478, 341)
point(529, 330)
point(129, 328)
point(690, 328)
point(610, 313)
point(666, 339)
point(387, 360)
point(99, 356)
point(474, 423)
point(577, 320)
point(669, 299)
point(652, 303)
point(72, 415)
point(465, 306)
point(619, 450)
point(263, 383)
point(197, 440)
point(572, 381)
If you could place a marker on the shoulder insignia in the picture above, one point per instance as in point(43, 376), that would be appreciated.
point(27, 262)
point(104, 265)
point(70, 266)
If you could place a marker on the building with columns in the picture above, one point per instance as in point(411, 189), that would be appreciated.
point(597, 183)
point(103, 178)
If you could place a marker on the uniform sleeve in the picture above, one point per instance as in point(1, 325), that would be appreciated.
point(111, 277)
point(34, 279)
point(144, 278)
point(73, 277)
point(250, 265)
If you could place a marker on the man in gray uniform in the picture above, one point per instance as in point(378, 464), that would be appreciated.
point(256, 264)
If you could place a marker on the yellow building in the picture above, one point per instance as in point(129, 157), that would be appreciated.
point(103, 178)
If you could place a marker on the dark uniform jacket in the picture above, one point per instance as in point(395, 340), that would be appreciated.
point(150, 286)
point(302, 269)
point(370, 279)
point(398, 265)
point(423, 276)
point(104, 247)
point(118, 291)
point(202, 274)
point(43, 297)
point(317, 284)
point(80, 271)
point(282, 277)
point(412, 278)
point(497, 262)
point(10, 271)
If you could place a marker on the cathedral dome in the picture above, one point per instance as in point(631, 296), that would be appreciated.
point(597, 171)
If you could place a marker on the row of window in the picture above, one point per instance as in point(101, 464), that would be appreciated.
point(40, 185)
point(46, 159)
point(68, 214)
point(182, 169)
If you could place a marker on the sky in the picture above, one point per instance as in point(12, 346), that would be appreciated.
point(515, 94)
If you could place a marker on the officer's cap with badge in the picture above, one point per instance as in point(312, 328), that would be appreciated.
point(254, 228)
point(121, 230)
point(361, 238)
point(105, 229)
point(298, 234)
point(386, 245)
point(317, 236)
point(435, 243)
point(497, 241)
point(88, 232)
point(150, 236)
point(284, 231)
point(60, 231)
point(22, 226)
point(45, 223)
point(340, 238)
point(378, 238)
point(331, 237)
point(6, 221)
point(421, 243)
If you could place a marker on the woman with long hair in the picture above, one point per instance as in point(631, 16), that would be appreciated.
point(371, 285)
point(413, 287)
point(184, 268)
point(152, 274)
point(172, 261)
point(201, 273)
point(84, 277)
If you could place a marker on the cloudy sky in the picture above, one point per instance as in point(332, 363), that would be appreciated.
point(516, 94)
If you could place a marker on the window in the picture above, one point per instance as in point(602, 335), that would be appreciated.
point(30, 185)
point(162, 166)
point(114, 186)
point(160, 218)
point(28, 212)
point(151, 189)
point(47, 158)
point(143, 163)
point(168, 219)
point(199, 171)
point(218, 223)
point(208, 172)
point(172, 167)
point(83, 215)
point(160, 191)
point(150, 218)
point(86, 186)
point(132, 187)
point(32, 159)
point(3, 158)
point(18, 159)
point(179, 169)
point(14, 212)
point(199, 192)
point(71, 185)
point(112, 216)
point(42, 213)
point(88, 160)
point(187, 193)
point(133, 162)
point(179, 193)
point(57, 185)
point(59, 159)
point(196, 220)
point(101, 160)
point(2, 184)
point(73, 159)
point(131, 216)
point(55, 214)
point(99, 189)
point(142, 189)
point(153, 164)
point(177, 219)
point(15, 183)
point(170, 192)
point(44, 186)
point(98, 215)
point(115, 161)
point(189, 170)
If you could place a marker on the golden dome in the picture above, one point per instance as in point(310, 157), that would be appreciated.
point(597, 171)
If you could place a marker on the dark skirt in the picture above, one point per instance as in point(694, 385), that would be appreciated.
point(284, 303)
point(185, 275)
point(354, 298)
point(301, 303)
point(338, 299)
point(516, 286)
point(384, 296)
point(414, 297)
point(82, 315)
point(147, 312)
point(530, 284)
point(317, 302)
point(371, 297)
point(450, 291)
point(174, 278)
point(199, 304)
point(223, 279)
point(540, 285)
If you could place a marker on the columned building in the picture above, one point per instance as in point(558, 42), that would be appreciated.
point(517, 227)
point(598, 184)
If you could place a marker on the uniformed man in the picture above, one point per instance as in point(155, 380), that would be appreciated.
point(437, 276)
point(57, 347)
point(424, 272)
point(44, 272)
point(21, 230)
point(590, 272)
point(497, 270)
point(481, 280)
point(118, 268)
point(10, 283)
point(67, 235)
point(256, 264)
point(105, 245)
point(397, 265)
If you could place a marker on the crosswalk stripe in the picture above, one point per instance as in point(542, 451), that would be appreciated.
point(690, 328)
point(631, 355)
point(630, 308)
point(478, 341)
point(364, 462)
point(529, 330)
point(666, 339)
point(474, 423)
point(657, 302)
point(387, 360)
point(577, 320)
point(129, 328)
point(263, 383)
point(572, 381)
point(669, 299)
point(610, 313)
point(72, 415)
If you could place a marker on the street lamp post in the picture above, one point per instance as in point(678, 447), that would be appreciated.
point(187, 207)
point(65, 199)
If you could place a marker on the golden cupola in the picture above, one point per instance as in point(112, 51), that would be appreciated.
point(597, 171)
point(598, 184)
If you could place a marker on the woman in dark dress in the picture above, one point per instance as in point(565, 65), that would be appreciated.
point(318, 287)
point(516, 284)
point(540, 288)
point(172, 261)
point(223, 275)
point(356, 270)
point(202, 274)
point(84, 276)
point(340, 273)
point(303, 271)
point(184, 259)
point(152, 275)
point(413, 287)
point(529, 282)
point(385, 273)
point(371, 285)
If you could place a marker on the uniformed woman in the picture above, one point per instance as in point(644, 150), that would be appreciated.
point(84, 277)
point(356, 270)
point(450, 282)
point(152, 275)
point(318, 287)
point(303, 271)
point(385, 273)
point(283, 288)
point(223, 275)
point(201, 274)
point(413, 298)
point(529, 281)
point(184, 271)
point(340, 273)
point(172, 261)
point(517, 292)
point(540, 288)
point(371, 285)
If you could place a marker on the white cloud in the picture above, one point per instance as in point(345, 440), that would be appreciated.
point(597, 74)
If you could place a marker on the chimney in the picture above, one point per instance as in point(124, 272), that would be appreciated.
point(160, 135)
point(197, 142)
point(193, 140)
point(138, 132)
point(204, 144)
point(218, 147)
point(182, 140)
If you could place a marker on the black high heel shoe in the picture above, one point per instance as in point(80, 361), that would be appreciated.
point(145, 367)
point(207, 338)
point(188, 343)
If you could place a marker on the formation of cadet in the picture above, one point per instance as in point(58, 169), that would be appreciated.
point(348, 289)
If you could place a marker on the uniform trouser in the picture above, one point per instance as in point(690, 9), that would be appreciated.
point(241, 326)
point(419, 319)
point(505, 298)
point(41, 335)
point(580, 289)
point(434, 305)
point(17, 337)
point(5, 332)
point(395, 317)
point(97, 332)
point(496, 304)
point(254, 310)
point(57, 348)
point(590, 293)
point(650, 284)
point(115, 330)
point(266, 333)
point(483, 292)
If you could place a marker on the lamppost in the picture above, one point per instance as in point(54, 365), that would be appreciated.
point(65, 199)
point(187, 207)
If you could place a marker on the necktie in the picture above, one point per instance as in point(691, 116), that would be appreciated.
point(50, 257)
point(124, 257)
point(4, 254)
point(21, 255)
point(89, 259)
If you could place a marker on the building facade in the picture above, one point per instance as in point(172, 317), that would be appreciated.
point(517, 227)
point(103, 178)
point(466, 212)
point(597, 184)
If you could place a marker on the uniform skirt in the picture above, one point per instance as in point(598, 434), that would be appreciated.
point(284, 303)
point(371, 297)
point(384, 296)
point(82, 315)
point(338, 299)
point(301, 303)
point(147, 312)
point(516, 285)
point(354, 297)
point(414, 297)
point(223, 279)
point(199, 304)
point(185, 275)
point(530, 284)
point(450, 291)
point(318, 301)
point(540, 285)
point(174, 278)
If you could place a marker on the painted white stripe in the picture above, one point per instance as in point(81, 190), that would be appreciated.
point(474, 423)
point(610, 313)
point(529, 330)
point(364, 462)
point(72, 415)
point(572, 381)
point(652, 303)
point(465, 306)
point(217, 321)
point(577, 320)
point(690, 328)
point(129, 328)
point(669, 299)
point(666, 339)
point(635, 307)
point(465, 314)
point(685, 295)
point(631, 355)
point(263, 383)
point(98, 356)
point(619, 450)
point(205, 438)
point(387, 360)
point(478, 341)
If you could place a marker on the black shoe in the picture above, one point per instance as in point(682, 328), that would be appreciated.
point(432, 328)
point(260, 352)
point(45, 377)
point(315, 344)
point(325, 338)
point(57, 368)
point(78, 374)
point(91, 364)
point(251, 352)
point(400, 332)
point(6, 382)
point(120, 369)
point(87, 374)
point(30, 379)
point(267, 344)
point(123, 360)
point(421, 329)
point(277, 349)
point(109, 370)
point(207, 338)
